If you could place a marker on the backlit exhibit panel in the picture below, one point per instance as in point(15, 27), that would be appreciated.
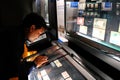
point(99, 27)
point(83, 29)
point(100, 23)
point(115, 38)
point(98, 33)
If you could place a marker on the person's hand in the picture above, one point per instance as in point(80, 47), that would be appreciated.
point(40, 60)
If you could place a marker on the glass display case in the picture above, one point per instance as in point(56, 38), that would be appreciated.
point(95, 23)
point(64, 64)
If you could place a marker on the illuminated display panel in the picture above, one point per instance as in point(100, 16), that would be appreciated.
point(98, 33)
point(115, 38)
point(99, 27)
point(100, 23)
point(83, 29)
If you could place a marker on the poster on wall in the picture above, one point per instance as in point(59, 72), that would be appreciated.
point(60, 20)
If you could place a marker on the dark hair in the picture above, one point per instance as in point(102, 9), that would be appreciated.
point(34, 19)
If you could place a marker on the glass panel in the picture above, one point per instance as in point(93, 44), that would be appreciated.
point(96, 20)
point(41, 7)
point(60, 11)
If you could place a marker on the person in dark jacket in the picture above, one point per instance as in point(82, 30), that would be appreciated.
point(36, 36)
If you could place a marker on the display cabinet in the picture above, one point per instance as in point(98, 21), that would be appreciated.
point(93, 32)
point(64, 64)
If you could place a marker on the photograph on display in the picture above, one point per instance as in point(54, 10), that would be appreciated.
point(115, 38)
point(80, 20)
point(98, 33)
point(100, 23)
point(83, 29)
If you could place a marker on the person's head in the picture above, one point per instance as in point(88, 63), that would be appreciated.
point(34, 25)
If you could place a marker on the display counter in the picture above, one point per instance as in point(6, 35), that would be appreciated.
point(64, 64)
